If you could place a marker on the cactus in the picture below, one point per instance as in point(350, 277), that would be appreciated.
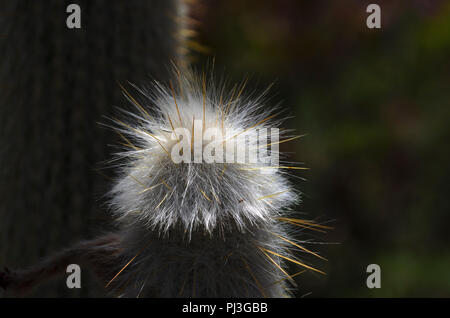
point(181, 229)
point(56, 84)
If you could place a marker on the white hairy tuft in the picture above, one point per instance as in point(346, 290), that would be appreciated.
point(201, 228)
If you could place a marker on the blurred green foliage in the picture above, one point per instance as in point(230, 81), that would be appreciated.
point(375, 106)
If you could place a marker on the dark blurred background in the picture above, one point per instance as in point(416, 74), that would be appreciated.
point(375, 105)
